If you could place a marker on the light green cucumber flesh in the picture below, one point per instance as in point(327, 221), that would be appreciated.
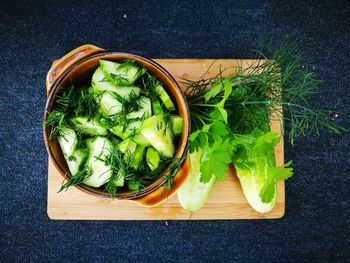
point(68, 141)
point(176, 123)
point(122, 74)
point(157, 107)
point(76, 161)
point(145, 110)
point(99, 150)
point(152, 158)
point(101, 84)
point(157, 132)
point(137, 156)
point(86, 126)
point(193, 194)
point(126, 132)
point(164, 97)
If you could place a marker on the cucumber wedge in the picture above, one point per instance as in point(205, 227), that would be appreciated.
point(121, 74)
point(125, 132)
point(152, 158)
point(156, 107)
point(128, 147)
point(145, 110)
point(100, 84)
point(86, 126)
point(193, 194)
point(176, 124)
point(68, 141)
point(137, 157)
point(109, 104)
point(164, 97)
point(99, 149)
point(76, 161)
point(141, 140)
point(157, 132)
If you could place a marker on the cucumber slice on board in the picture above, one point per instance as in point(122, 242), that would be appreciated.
point(100, 84)
point(86, 126)
point(193, 194)
point(76, 161)
point(164, 97)
point(68, 141)
point(157, 132)
point(152, 158)
point(121, 74)
point(99, 149)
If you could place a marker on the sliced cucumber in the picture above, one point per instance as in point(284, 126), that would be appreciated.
point(141, 140)
point(99, 149)
point(137, 157)
point(157, 107)
point(157, 132)
point(193, 194)
point(121, 74)
point(176, 123)
point(109, 104)
point(164, 97)
point(120, 179)
point(145, 110)
point(152, 158)
point(100, 83)
point(127, 147)
point(68, 141)
point(125, 132)
point(86, 126)
point(76, 161)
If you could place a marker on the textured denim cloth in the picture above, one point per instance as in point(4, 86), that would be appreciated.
point(32, 35)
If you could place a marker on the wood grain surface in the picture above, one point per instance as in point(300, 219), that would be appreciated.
point(226, 201)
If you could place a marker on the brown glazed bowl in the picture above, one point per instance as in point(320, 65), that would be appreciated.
point(77, 68)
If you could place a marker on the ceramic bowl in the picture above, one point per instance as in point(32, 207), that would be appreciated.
point(77, 68)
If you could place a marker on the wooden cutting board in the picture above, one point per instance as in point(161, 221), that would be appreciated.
point(226, 201)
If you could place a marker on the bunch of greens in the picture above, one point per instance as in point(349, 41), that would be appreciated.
point(231, 123)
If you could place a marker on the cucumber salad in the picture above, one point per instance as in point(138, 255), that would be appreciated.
point(119, 131)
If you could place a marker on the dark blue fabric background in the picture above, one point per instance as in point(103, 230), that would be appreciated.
point(33, 34)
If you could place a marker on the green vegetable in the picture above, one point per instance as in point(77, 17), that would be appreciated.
point(164, 97)
point(193, 194)
point(156, 107)
point(156, 131)
point(68, 141)
point(101, 172)
point(86, 126)
point(255, 164)
point(98, 127)
point(122, 74)
point(231, 122)
point(153, 158)
point(176, 124)
point(100, 84)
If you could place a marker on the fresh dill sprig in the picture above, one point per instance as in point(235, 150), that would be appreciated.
point(278, 87)
point(76, 179)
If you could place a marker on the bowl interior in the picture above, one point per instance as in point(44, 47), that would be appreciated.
point(80, 74)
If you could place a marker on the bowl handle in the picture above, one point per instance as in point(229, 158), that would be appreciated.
point(60, 65)
point(161, 194)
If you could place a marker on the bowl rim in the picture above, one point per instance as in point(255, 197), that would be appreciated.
point(55, 85)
